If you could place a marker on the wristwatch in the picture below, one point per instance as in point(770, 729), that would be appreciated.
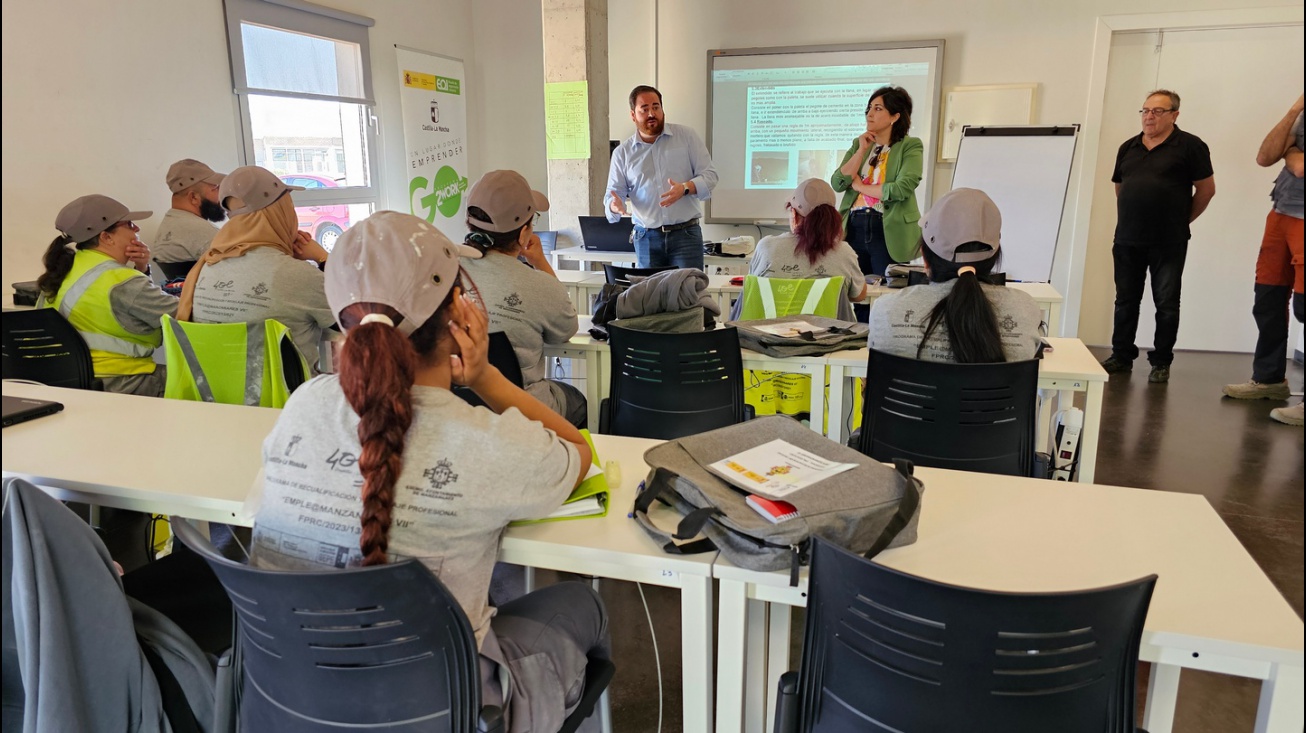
point(685, 186)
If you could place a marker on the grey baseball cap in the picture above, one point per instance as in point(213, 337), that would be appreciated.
point(810, 194)
point(250, 188)
point(87, 216)
point(397, 260)
point(962, 215)
point(187, 172)
point(507, 199)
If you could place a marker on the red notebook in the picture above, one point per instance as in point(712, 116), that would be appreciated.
point(774, 511)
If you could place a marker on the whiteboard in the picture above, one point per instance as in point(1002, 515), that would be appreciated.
point(1025, 170)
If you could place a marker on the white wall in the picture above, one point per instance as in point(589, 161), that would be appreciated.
point(987, 42)
point(102, 97)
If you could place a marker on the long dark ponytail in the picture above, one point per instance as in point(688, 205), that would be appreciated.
point(377, 367)
point(972, 325)
point(58, 261)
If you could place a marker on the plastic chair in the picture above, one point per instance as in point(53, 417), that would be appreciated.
point(668, 385)
point(386, 648)
point(969, 417)
point(911, 654)
point(174, 270)
point(253, 364)
point(617, 275)
point(42, 346)
point(502, 356)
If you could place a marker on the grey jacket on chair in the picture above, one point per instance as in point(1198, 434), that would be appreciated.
point(76, 633)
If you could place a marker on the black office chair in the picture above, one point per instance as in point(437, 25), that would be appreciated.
point(174, 270)
point(617, 275)
point(969, 417)
point(42, 346)
point(911, 654)
point(668, 385)
point(501, 355)
point(385, 648)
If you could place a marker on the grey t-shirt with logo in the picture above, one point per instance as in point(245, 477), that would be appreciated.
point(454, 496)
point(181, 237)
point(266, 283)
point(775, 257)
point(898, 321)
point(531, 307)
point(1288, 195)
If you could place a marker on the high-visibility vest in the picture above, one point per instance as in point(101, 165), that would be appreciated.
point(83, 299)
point(774, 297)
point(230, 363)
point(772, 393)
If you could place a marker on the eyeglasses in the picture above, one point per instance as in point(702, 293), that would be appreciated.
point(130, 225)
point(1155, 111)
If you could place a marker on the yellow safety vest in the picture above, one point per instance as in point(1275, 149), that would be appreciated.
point(84, 300)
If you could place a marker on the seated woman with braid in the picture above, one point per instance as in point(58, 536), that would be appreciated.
point(386, 441)
point(956, 317)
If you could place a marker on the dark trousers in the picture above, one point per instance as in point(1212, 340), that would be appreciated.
point(682, 247)
point(1165, 264)
point(866, 237)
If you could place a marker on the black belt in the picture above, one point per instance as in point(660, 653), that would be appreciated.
point(678, 227)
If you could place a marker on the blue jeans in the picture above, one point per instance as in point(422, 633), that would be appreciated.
point(1165, 263)
point(681, 248)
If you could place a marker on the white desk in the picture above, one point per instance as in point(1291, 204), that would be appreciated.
point(582, 286)
point(1213, 608)
point(711, 264)
point(199, 460)
point(1068, 368)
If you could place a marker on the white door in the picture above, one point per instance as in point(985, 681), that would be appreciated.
point(1235, 84)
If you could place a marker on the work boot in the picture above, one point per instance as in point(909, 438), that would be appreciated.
point(1115, 365)
point(1288, 415)
point(1160, 374)
point(1254, 390)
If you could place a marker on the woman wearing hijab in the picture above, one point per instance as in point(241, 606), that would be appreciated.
point(253, 270)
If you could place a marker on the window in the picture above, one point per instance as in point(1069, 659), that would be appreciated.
point(303, 79)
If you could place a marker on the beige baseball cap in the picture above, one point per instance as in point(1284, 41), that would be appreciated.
point(507, 199)
point(397, 260)
point(87, 216)
point(187, 172)
point(962, 215)
point(810, 194)
point(250, 188)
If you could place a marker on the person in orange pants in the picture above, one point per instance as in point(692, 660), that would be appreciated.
point(1278, 269)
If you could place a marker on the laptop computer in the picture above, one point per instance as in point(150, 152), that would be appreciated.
point(548, 240)
point(597, 234)
point(22, 409)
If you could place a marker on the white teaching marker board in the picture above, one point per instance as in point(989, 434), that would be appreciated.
point(1025, 170)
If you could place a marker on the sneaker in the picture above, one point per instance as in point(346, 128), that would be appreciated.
point(1254, 390)
point(1288, 415)
point(1160, 374)
point(1115, 365)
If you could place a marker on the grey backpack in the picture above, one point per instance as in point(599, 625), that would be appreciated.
point(866, 509)
point(767, 336)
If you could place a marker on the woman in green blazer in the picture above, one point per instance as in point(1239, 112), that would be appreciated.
point(878, 178)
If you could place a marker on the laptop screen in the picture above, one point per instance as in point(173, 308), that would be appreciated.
point(598, 234)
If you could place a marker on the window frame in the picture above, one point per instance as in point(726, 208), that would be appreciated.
point(299, 16)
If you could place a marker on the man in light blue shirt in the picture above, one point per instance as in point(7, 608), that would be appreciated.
point(664, 170)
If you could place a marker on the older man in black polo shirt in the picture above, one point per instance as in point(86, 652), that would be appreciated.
point(1164, 181)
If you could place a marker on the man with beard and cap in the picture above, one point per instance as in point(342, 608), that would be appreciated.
point(665, 171)
point(185, 231)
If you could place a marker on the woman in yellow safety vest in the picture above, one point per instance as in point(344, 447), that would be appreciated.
point(95, 275)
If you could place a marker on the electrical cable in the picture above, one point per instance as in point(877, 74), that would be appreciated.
point(657, 659)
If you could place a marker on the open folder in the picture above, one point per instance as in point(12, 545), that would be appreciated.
point(588, 499)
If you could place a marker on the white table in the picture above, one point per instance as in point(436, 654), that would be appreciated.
point(1213, 608)
point(199, 460)
point(1068, 368)
point(711, 264)
point(582, 286)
